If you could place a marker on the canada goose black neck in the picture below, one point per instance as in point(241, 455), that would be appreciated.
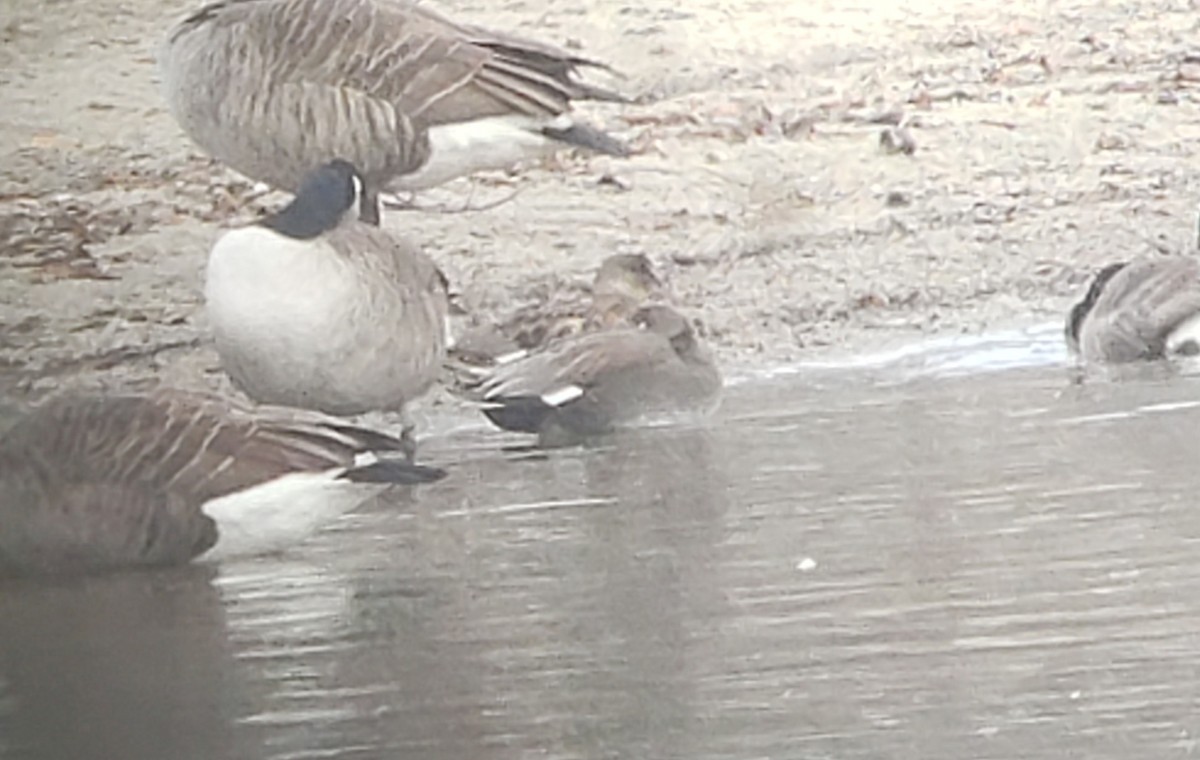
point(1080, 311)
point(328, 193)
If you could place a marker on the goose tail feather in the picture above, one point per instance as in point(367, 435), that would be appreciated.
point(586, 136)
point(393, 471)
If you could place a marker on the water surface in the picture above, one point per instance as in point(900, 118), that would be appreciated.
point(899, 560)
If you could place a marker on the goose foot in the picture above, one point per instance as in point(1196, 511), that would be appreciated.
point(400, 201)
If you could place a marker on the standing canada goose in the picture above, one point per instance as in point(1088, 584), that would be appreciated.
point(96, 483)
point(589, 384)
point(274, 88)
point(623, 283)
point(312, 308)
point(1140, 310)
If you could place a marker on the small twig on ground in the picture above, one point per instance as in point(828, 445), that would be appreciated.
point(442, 209)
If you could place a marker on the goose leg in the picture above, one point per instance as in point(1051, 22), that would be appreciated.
point(408, 436)
point(368, 208)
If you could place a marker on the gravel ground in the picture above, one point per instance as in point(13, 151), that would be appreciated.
point(1049, 137)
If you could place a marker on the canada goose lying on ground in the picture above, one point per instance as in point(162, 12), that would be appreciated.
point(312, 308)
point(589, 384)
point(274, 88)
point(95, 483)
point(1140, 310)
point(623, 283)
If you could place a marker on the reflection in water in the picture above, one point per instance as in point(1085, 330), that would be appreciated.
point(466, 627)
point(988, 566)
point(117, 667)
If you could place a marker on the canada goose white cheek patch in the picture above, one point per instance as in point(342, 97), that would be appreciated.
point(561, 396)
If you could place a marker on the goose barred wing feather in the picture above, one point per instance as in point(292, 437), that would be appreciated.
point(324, 78)
point(1140, 307)
point(91, 483)
point(92, 526)
point(393, 52)
point(187, 444)
point(561, 66)
point(331, 121)
point(275, 87)
point(76, 494)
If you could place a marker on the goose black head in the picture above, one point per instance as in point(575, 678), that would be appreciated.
point(1080, 310)
point(328, 194)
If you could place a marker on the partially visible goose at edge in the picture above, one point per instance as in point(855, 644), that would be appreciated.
point(623, 283)
point(96, 483)
point(274, 88)
point(312, 308)
point(1139, 310)
point(590, 384)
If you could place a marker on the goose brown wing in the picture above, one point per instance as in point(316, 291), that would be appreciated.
point(1141, 306)
point(188, 444)
point(425, 66)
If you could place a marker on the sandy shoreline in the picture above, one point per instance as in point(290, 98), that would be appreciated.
point(1050, 138)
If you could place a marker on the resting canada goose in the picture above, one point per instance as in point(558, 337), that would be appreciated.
point(589, 384)
point(95, 483)
point(623, 283)
point(312, 308)
point(276, 87)
point(1140, 310)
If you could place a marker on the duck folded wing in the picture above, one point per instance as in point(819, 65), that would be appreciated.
point(580, 364)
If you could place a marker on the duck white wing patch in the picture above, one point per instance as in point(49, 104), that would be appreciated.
point(511, 357)
point(561, 396)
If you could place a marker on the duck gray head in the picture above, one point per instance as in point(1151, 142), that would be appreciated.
point(628, 275)
point(1080, 311)
point(326, 196)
